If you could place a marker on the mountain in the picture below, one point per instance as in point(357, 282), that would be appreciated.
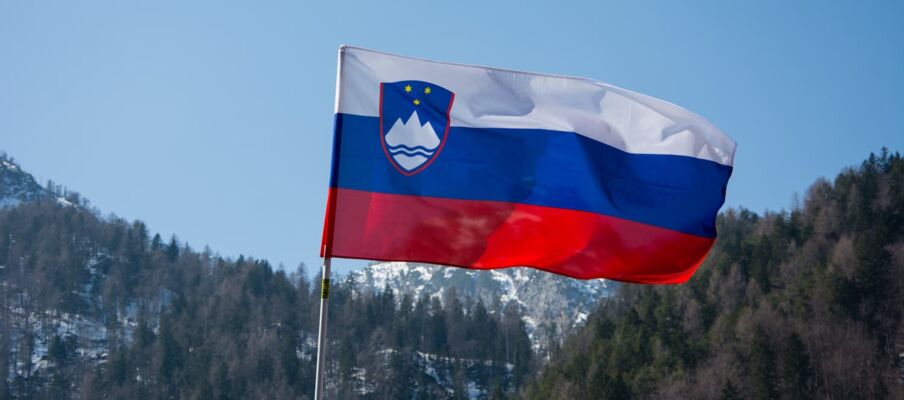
point(16, 185)
point(95, 306)
point(553, 305)
point(799, 304)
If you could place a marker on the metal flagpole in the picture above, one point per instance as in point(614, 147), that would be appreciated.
point(321, 333)
point(325, 250)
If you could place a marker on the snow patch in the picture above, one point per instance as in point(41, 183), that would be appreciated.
point(474, 391)
point(8, 165)
point(545, 299)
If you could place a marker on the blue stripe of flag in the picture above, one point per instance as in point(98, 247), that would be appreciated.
point(542, 168)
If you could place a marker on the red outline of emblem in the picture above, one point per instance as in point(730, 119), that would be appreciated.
point(435, 155)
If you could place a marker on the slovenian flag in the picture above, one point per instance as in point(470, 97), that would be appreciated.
point(486, 168)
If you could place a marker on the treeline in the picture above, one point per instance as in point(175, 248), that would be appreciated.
point(95, 308)
point(457, 343)
point(802, 304)
point(805, 304)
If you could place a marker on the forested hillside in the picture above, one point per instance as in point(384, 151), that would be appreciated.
point(803, 304)
point(799, 304)
point(96, 307)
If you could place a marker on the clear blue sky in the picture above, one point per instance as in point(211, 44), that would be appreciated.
point(212, 120)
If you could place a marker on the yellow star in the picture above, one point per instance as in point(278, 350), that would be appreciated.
point(416, 102)
point(427, 90)
point(407, 88)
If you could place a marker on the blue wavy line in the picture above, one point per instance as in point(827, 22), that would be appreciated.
point(411, 148)
point(411, 152)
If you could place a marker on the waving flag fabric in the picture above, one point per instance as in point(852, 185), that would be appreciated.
point(489, 168)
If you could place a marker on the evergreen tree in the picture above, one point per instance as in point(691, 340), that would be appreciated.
point(797, 374)
point(156, 243)
point(729, 391)
point(763, 381)
point(172, 249)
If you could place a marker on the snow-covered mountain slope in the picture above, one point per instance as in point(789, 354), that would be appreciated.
point(545, 298)
point(17, 186)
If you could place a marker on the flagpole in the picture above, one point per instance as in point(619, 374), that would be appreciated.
point(326, 247)
point(321, 332)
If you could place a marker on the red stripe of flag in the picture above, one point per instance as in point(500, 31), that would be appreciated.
point(490, 234)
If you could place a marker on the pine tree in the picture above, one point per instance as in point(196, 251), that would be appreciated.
point(172, 249)
point(762, 366)
point(437, 339)
point(156, 243)
point(729, 391)
point(797, 373)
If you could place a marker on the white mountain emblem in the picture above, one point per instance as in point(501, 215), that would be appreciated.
point(411, 144)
